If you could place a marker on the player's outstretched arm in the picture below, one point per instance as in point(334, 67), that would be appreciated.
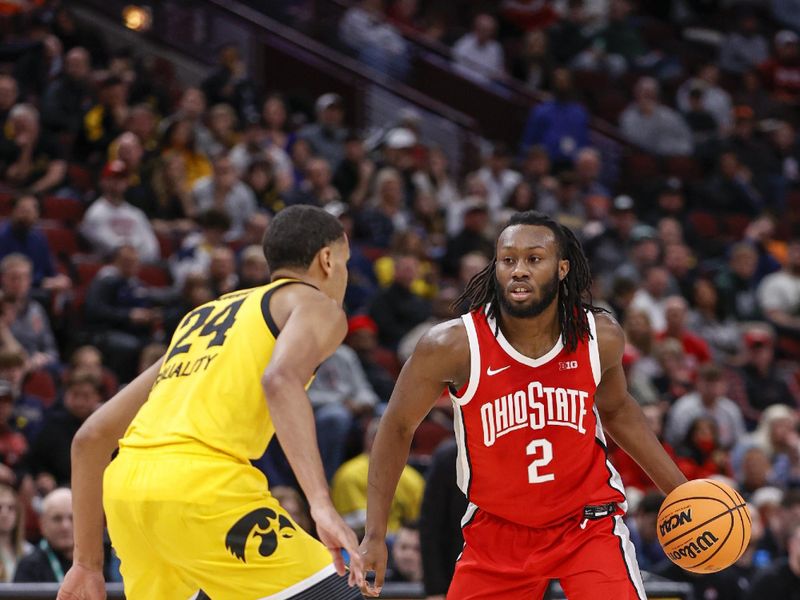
point(441, 358)
point(313, 330)
point(92, 447)
point(621, 415)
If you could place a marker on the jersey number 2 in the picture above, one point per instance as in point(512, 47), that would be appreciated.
point(546, 456)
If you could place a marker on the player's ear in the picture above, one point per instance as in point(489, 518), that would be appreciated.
point(325, 260)
point(563, 269)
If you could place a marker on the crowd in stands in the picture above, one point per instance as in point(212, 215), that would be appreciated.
point(128, 199)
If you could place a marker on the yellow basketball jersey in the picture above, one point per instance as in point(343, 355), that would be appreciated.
point(207, 396)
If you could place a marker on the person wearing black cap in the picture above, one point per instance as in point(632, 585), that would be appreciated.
point(609, 249)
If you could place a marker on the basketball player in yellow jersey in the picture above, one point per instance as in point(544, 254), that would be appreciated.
point(186, 511)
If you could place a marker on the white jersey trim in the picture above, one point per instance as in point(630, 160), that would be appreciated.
point(303, 585)
point(463, 472)
point(629, 555)
point(474, 362)
point(614, 479)
point(519, 356)
point(594, 349)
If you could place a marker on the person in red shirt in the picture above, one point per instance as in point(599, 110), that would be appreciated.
point(781, 73)
point(676, 310)
point(535, 377)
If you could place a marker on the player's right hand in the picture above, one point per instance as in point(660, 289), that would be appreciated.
point(375, 556)
point(82, 583)
point(337, 536)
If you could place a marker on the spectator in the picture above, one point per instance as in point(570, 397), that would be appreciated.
point(676, 312)
point(13, 445)
point(499, 179)
point(443, 506)
point(49, 458)
point(644, 253)
point(715, 99)
point(274, 116)
point(229, 84)
point(104, 121)
point(782, 71)
point(262, 179)
point(327, 134)
point(700, 453)
point(181, 138)
point(192, 109)
point(53, 556)
point(70, 96)
point(223, 190)
point(778, 436)
point(29, 325)
point(123, 312)
point(765, 384)
point(29, 158)
point(354, 174)
point(736, 283)
point(630, 471)
point(478, 55)
point(560, 125)
point(651, 297)
point(441, 310)
point(534, 65)
point(28, 410)
point(608, 250)
point(471, 239)
point(654, 126)
point(13, 545)
point(731, 189)
point(709, 321)
point(644, 528)
point(745, 47)
point(705, 128)
point(375, 41)
point(572, 34)
point(376, 225)
point(194, 255)
point(710, 401)
point(88, 359)
point(362, 337)
point(779, 293)
point(405, 559)
point(168, 200)
point(222, 271)
point(9, 94)
point(349, 490)
point(112, 222)
point(782, 579)
point(20, 235)
point(253, 267)
point(293, 502)
point(317, 190)
point(617, 47)
point(589, 168)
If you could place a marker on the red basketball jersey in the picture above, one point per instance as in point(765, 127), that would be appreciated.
point(531, 446)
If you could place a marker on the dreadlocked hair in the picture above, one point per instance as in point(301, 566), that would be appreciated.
point(574, 292)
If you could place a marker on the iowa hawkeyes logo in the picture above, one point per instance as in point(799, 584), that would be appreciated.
point(261, 523)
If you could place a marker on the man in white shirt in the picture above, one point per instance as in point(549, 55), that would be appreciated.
point(779, 293)
point(112, 222)
point(477, 54)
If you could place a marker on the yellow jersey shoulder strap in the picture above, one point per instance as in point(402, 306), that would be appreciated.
point(265, 299)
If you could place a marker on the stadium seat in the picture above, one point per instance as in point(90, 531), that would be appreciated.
point(685, 168)
point(166, 245)
point(155, 275)
point(705, 224)
point(80, 178)
point(6, 198)
point(66, 210)
point(40, 383)
point(63, 241)
point(735, 225)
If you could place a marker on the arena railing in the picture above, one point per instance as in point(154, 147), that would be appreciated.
point(280, 58)
point(656, 590)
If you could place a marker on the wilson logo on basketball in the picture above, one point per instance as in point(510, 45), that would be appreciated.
point(703, 542)
point(685, 516)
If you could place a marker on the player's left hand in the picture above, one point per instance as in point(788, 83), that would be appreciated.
point(82, 583)
point(375, 558)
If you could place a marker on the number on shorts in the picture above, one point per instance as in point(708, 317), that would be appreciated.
point(220, 322)
point(547, 456)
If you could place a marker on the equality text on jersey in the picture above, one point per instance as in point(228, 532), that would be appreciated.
point(536, 406)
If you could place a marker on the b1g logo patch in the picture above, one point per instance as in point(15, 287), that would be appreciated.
point(567, 365)
point(258, 523)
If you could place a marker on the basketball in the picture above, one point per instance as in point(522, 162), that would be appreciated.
point(703, 526)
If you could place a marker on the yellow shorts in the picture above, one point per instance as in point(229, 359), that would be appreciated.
point(184, 522)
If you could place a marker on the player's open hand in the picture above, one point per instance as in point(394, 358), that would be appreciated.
point(82, 583)
point(337, 536)
point(375, 557)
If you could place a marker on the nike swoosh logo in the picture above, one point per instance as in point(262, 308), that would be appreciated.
point(491, 372)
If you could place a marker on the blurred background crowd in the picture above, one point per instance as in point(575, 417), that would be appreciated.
point(130, 195)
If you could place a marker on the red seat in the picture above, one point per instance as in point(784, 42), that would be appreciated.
point(706, 225)
point(40, 383)
point(166, 245)
point(640, 166)
point(684, 167)
point(80, 177)
point(87, 269)
point(736, 225)
point(155, 275)
point(66, 210)
point(6, 200)
point(63, 241)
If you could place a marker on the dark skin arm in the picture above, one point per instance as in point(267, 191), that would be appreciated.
point(441, 358)
point(620, 414)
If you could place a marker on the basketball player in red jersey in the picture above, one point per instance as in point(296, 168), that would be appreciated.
point(533, 369)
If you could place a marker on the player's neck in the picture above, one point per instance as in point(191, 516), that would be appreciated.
point(532, 336)
point(291, 274)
